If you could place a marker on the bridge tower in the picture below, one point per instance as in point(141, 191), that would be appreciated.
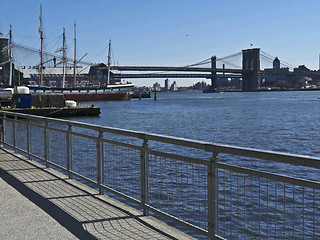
point(214, 73)
point(251, 61)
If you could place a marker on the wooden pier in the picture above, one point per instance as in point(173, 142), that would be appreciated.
point(41, 203)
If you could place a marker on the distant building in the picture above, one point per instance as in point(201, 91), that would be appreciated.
point(166, 85)
point(280, 77)
point(174, 87)
point(156, 87)
point(276, 75)
point(199, 86)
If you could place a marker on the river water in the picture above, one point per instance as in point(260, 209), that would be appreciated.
point(279, 121)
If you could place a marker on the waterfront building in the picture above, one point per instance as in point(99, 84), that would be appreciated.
point(156, 87)
point(174, 87)
point(166, 85)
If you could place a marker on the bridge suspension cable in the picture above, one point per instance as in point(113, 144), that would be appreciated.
point(229, 56)
point(270, 58)
point(222, 59)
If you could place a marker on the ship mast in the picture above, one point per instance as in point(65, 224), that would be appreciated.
point(75, 56)
point(109, 61)
point(63, 58)
point(10, 55)
point(41, 48)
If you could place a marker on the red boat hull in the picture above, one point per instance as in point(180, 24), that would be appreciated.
point(78, 97)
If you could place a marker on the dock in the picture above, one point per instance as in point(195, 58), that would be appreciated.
point(41, 203)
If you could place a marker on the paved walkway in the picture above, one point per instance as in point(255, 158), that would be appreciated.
point(40, 203)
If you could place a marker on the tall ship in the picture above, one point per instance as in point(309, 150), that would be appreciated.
point(76, 79)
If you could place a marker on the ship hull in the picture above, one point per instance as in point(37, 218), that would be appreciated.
point(58, 112)
point(80, 97)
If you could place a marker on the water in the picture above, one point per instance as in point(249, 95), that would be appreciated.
point(280, 121)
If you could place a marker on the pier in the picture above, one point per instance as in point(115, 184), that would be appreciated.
point(217, 191)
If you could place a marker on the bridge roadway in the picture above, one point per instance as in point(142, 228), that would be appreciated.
point(178, 69)
point(169, 75)
point(41, 203)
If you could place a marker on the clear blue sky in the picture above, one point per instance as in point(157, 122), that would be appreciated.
point(172, 32)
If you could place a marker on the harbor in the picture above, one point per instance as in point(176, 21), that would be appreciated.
point(149, 120)
point(190, 184)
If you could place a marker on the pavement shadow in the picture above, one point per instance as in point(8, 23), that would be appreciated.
point(67, 221)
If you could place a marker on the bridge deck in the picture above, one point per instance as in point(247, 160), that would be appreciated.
point(41, 203)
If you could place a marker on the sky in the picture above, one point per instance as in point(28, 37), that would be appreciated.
point(170, 32)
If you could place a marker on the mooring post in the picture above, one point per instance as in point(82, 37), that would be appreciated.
point(155, 95)
point(212, 196)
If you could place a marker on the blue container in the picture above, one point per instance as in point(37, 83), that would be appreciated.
point(22, 100)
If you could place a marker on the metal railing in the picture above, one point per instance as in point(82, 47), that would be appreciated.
point(216, 190)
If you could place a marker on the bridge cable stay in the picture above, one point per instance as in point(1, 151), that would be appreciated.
point(268, 56)
point(231, 64)
point(208, 60)
point(229, 56)
point(199, 63)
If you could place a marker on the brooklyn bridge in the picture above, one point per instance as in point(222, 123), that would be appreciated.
point(245, 66)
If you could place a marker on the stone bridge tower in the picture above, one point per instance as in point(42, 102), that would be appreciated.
point(251, 61)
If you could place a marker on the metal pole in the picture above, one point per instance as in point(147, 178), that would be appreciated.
point(46, 149)
point(28, 138)
point(41, 48)
point(143, 176)
point(102, 164)
point(63, 58)
point(212, 196)
point(75, 57)
point(14, 133)
point(109, 63)
point(10, 56)
point(1, 130)
point(4, 117)
point(98, 148)
point(68, 149)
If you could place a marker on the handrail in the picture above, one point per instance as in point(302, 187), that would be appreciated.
point(296, 159)
point(160, 178)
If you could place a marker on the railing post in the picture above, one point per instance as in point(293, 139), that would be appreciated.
point(98, 147)
point(28, 138)
point(4, 117)
point(46, 147)
point(69, 150)
point(102, 163)
point(212, 196)
point(1, 130)
point(14, 133)
point(144, 176)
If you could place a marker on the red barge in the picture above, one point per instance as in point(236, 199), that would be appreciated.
point(79, 97)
